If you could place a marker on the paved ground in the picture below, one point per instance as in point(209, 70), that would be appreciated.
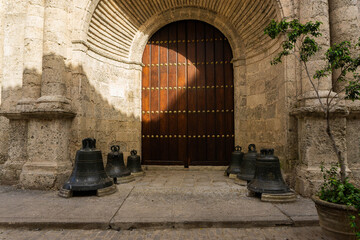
point(270, 233)
point(173, 202)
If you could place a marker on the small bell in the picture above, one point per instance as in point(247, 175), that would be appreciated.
point(236, 158)
point(88, 173)
point(115, 166)
point(247, 167)
point(134, 164)
point(267, 178)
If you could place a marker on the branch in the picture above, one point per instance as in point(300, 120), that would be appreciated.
point(313, 85)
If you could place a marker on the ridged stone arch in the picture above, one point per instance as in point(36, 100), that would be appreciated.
point(117, 25)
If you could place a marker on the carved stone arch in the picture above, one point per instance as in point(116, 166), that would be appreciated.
point(190, 13)
point(114, 27)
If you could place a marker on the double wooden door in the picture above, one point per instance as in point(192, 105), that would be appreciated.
point(187, 96)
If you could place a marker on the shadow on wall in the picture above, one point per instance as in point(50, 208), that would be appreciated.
point(96, 117)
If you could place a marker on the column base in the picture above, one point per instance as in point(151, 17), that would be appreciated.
point(308, 181)
point(10, 172)
point(44, 175)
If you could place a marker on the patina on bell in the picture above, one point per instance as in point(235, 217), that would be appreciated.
point(88, 173)
point(247, 167)
point(235, 161)
point(134, 164)
point(268, 178)
point(115, 166)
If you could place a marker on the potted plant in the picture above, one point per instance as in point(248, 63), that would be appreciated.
point(338, 200)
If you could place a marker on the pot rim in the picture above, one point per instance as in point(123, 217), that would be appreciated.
point(319, 201)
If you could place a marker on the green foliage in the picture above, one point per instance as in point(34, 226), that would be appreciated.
point(301, 38)
point(335, 191)
point(294, 30)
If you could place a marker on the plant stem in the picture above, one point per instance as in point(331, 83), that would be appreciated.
point(336, 149)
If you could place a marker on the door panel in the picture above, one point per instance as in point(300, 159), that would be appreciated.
point(187, 96)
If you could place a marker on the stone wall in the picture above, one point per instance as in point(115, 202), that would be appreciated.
point(266, 110)
point(106, 98)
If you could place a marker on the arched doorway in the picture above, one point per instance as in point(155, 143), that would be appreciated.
point(187, 96)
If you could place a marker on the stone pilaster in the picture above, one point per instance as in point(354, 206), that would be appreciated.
point(240, 95)
point(344, 18)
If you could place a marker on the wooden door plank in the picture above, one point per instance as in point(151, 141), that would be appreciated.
point(191, 92)
point(164, 117)
point(145, 105)
point(154, 98)
point(210, 94)
point(182, 92)
point(201, 93)
point(229, 99)
point(172, 91)
point(220, 98)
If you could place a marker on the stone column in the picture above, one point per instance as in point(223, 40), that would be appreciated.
point(49, 125)
point(345, 26)
point(314, 144)
point(33, 52)
point(53, 84)
point(318, 10)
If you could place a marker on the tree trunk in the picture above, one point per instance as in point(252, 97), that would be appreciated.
point(336, 149)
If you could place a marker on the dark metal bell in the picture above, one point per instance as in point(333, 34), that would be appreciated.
point(115, 166)
point(88, 173)
point(247, 167)
point(134, 163)
point(268, 178)
point(235, 162)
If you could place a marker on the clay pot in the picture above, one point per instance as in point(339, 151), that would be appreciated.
point(334, 219)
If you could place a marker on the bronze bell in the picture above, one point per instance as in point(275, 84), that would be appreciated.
point(134, 164)
point(268, 178)
point(115, 166)
point(88, 173)
point(236, 159)
point(247, 167)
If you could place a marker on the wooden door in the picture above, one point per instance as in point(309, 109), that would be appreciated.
point(187, 96)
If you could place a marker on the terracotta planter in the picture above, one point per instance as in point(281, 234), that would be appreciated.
point(334, 219)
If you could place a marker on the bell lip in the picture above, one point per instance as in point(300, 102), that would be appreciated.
point(268, 191)
point(120, 174)
point(262, 190)
point(247, 177)
point(90, 187)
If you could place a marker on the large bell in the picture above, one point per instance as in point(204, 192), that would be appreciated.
point(268, 178)
point(88, 173)
point(235, 162)
point(115, 166)
point(134, 164)
point(247, 167)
